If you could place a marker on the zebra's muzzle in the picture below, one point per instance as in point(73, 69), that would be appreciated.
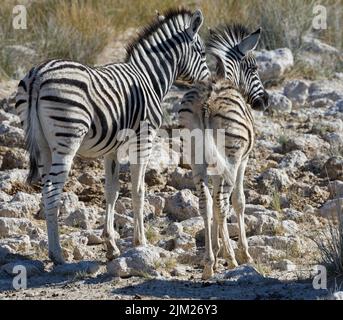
point(261, 103)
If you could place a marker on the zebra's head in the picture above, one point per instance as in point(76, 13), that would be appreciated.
point(192, 64)
point(232, 46)
point(251, 84)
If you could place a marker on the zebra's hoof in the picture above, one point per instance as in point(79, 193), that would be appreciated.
point(139, 242)
point(207, 273)
point(56, 259)
point(112, 254)
point(232, 263)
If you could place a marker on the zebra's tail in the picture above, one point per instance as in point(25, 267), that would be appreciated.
point(215, 157)
point(26, 105)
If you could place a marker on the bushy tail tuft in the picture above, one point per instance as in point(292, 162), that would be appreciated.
point(31, 125)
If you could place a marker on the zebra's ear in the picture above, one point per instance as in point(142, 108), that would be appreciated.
point(159, 16)
point(250, 42)
point(196, 22)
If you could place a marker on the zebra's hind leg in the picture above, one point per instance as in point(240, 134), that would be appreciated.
point(111, 192)
point(44, 169)
point(221, 197)
point(52, 190)
point(238, 202)
point(205, 208)
point(215, 225)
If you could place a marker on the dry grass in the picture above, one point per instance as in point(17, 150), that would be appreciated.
point(330, 243)
point(80, 29)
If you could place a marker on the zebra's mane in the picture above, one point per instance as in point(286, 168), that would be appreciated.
point(227, 36)
point(222, 40)
point(151, 28)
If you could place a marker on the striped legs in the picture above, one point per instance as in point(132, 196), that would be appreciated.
point(205, 208)
point(137, 176)
point(53, 186)
point(221, 196)
point(238, 202)
point(141, 151)
point(111, 194)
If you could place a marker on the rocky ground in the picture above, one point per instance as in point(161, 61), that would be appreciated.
point(294, 182)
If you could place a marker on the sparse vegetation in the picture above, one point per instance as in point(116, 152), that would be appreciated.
point(330, 243)
point(282, 140)
point(276, 203)
point(80, 29)
point(152, 235)
point(262, 268)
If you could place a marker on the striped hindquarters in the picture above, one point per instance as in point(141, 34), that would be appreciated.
point(220, 108)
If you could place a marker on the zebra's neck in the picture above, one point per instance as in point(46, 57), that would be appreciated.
point(228, 69)
point(158, 63)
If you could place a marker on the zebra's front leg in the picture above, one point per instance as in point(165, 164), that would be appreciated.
point(137, 178)
point(205, 208)
point(112, 186)
point(238, 202)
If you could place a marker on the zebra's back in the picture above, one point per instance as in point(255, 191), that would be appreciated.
point(91, 103)
point(220, 107)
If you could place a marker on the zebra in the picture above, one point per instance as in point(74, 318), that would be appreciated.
point(224, 104)
point(69, 108)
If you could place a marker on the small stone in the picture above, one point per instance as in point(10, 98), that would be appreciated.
point(83, 218)
point(293, 161)
point(174, 228)
point(292, 214)
point(139, 261)
point(331, 209)
point(193, 225)
point(242, 274)
point(181, 179)
point(182, 205)
point(157, 202)
point(279, 103)
point(285, 265)
point(94, 237)
point(333, 168)
point(297, 91)
point(273, 64)
point(273, 180)
point(289, 227)
point(89, 179)
point(184, 241)
point(310, 144)
point(14, 226)
point(69, 203)
point(15, 158)
point(11, 136)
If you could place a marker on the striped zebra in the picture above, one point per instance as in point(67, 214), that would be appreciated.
point(68, 108)
point(224, 104)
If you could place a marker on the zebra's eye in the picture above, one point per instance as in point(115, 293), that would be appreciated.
point(253, 68)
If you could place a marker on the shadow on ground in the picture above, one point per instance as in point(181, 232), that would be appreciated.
point(75, 278)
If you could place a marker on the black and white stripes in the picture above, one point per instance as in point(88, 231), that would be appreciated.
point(68, 108)
point(223, 107)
